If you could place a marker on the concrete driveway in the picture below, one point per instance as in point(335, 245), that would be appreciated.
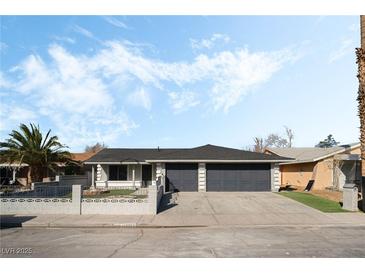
point(211, 209)
point(241, 208)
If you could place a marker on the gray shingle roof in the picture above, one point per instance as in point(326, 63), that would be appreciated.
point(310, 154)
point(207, 152)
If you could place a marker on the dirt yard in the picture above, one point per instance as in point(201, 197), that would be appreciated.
point(333, 195)
point(328, 194)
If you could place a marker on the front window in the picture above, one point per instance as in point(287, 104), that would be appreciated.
point(118, 173)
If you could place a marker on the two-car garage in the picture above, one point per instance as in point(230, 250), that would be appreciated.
point(219, 177)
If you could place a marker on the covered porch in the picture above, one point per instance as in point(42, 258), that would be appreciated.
point(123, 175)
point(11, 173)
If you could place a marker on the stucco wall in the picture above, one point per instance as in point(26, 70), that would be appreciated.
point(355, 151)
point(324, 174)
point(296, 174)
point(104, 172)
point(275, 177)
point(300, 174)
point(77, 205)
point(202, 177)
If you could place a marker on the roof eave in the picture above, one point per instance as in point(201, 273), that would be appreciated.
point(113, 162)
point(214, 161)
point(184, 161)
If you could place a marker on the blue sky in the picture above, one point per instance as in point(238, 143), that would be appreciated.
point(170, 81)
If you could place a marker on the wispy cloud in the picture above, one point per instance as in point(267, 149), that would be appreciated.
point(68, 93)
point(230, 74)
point(13, 114)
point(347, 46)
point(3, 46)
point(210, 42)
point(80, 91)
point(64, 39)
point(140, 98)
point(115, 22)
point(83, 31)
point(4, 83)
point(182, 101)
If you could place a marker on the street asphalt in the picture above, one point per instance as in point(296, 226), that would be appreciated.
point(286, 242)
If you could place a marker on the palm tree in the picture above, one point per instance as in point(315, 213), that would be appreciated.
point(360, 53)
point(29, 146)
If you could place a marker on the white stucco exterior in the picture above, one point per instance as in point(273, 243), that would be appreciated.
point(275, 177)
point(202, 177)
point(134, 176)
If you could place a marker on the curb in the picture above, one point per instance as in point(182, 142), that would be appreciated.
point(123, 225)
point(146, 226)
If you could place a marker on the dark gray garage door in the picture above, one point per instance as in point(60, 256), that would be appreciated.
point(182, 177)
point(238, 177)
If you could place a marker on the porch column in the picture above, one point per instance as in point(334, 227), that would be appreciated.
point(93, 176)
point(134, 175)
point(14, 173)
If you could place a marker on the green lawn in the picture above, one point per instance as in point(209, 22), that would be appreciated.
point(316, 202)
point(112, 192)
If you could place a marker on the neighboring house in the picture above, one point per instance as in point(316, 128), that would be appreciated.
point(328, 167)
point(204, 168)
point(11, 172)
point(78, 168)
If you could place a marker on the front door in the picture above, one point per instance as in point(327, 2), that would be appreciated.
point(146, 174)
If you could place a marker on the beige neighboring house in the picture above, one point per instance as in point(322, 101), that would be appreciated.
point(330, 168)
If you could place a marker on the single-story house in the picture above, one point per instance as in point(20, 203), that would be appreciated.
point(204, 168)
point(329, 168)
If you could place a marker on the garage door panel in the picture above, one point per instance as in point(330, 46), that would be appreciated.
point(238, 177)
point(182, 177)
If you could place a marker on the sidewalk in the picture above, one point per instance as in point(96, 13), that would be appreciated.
point(163, 220)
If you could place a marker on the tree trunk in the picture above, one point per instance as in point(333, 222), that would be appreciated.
point(36, 174)
point(29, 177)
point(360, 53)
point(361, 101)
point(362, 30)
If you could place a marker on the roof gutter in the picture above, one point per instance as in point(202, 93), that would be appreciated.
point(187, 161)
point(115, 163)
point(215, 161)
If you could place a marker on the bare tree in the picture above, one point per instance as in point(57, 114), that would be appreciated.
point(258, 144)
point(289, 135)
point(95, 148)
point(274, 140)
